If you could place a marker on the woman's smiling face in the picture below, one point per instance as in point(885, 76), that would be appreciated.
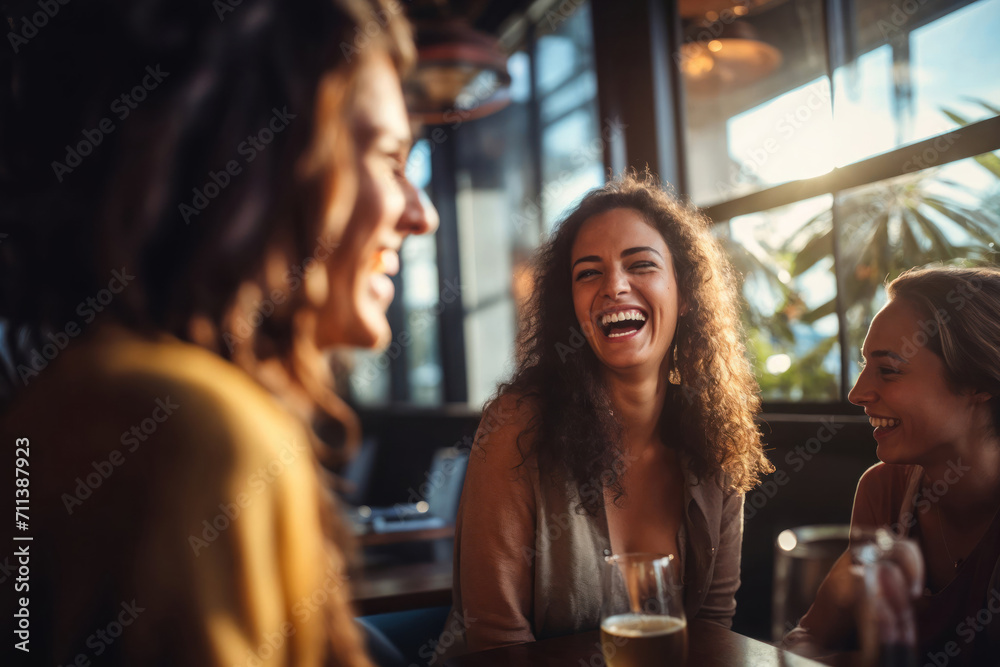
point(919, 418)
point(388, 208)
point(625, 291)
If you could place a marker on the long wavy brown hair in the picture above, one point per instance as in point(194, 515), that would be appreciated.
point(714, 397)
point(237, 270)
point(231, 272)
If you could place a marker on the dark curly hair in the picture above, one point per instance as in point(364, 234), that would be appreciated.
point(715, 397)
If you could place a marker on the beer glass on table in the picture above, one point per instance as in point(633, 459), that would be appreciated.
point(642, 612)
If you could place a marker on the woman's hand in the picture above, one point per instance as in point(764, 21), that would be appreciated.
point(858, 598)
point(884, 605)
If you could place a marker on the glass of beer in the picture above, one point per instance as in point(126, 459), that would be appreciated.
point(642, 612)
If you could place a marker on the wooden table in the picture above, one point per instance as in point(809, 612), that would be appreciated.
point(402, 587)
point(710, 645)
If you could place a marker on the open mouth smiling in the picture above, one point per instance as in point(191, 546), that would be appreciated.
point(883, 425)
point(621, 323)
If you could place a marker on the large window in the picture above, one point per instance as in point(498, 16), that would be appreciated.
point(835, 143)
point(508, 179)
point(518, 171)
point(824, 151)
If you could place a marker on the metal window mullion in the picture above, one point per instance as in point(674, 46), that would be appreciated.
point(964, 142)
point(839, 51)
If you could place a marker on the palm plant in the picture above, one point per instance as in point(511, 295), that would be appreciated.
point(883, 229)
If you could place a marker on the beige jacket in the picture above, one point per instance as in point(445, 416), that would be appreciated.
point(528, 565)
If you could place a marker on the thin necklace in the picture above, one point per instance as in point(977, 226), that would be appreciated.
point(944, 541)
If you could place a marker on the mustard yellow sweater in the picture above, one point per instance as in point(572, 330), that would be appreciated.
point(175, 515)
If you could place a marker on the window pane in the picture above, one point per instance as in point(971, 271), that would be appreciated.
point(489, 344)
point(920, 69)
point(420, 307)
point(572, 162)
point(566, 50)
point(572, 149)
point(423, 358)
point(370, 377)
point(757, 98)
point(786, 260)
point(949, 214)
point(503, 205)
point(497, 223)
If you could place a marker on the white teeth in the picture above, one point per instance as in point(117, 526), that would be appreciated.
point(622, 316)
point(883, 422)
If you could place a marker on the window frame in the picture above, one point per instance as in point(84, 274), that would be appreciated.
point(651, 86)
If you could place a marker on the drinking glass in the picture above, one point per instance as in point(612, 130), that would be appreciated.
point(804, 557)
point(642, 612)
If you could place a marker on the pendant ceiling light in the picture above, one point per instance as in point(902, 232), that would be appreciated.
point(461, 74)
point(722, 52)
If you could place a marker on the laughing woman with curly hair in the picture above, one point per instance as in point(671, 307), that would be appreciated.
point(628, 426)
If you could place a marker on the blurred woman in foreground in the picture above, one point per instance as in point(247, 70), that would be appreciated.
point(206, 196)
point(628, 426)
point(931, 389)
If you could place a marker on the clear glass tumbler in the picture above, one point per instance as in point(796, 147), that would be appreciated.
point(642, 613)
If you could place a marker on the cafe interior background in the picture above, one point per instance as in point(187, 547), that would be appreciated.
point(833, 144)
